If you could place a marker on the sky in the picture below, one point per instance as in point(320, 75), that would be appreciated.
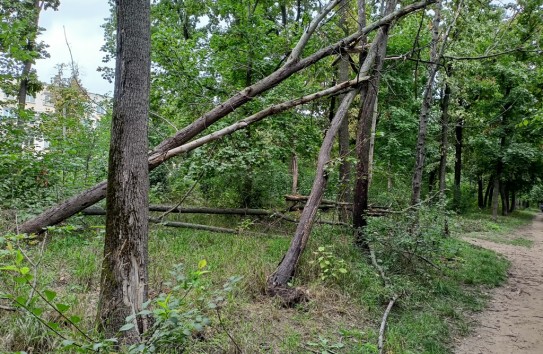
point(82, 20)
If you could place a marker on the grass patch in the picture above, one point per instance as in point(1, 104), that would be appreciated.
point(343, 315)
point(506, 230)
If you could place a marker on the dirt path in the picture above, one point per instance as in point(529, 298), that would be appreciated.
point(513, 322)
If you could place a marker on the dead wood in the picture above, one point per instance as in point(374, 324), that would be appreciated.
point(73, 205)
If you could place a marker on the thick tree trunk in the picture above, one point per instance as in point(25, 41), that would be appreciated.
point(287, 267)
point(513, 204)
point(161, 153)
point(444, 139)
point(457, 192)
point(480, 199)
point(123, 284)
point(425, 108)
point(368, 98)
point(504, 194)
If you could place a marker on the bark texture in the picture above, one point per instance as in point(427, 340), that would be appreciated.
point(123, 284)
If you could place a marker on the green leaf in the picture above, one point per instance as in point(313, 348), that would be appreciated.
point(37, 311)
point(63, 307)
point(75, 319)
point(19, 257)
point(127, 327)
point(202, 264)
point(342, 270)
point(11, 267)
point(50, 294)
point(24, 270)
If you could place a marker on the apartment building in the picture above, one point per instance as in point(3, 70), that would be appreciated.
point(43, 103)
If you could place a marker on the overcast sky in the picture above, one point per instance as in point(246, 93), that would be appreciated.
point(82, 20)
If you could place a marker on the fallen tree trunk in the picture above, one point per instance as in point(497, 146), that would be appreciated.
point(96, 193)
point(194, 226)
point(97, 211)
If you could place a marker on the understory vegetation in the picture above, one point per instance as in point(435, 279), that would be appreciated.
point(439, 287)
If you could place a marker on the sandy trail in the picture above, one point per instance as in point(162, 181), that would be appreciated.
point(513, 322)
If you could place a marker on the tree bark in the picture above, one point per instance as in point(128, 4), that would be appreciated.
point(60, 212)
point(513, 204)
point(444, 139)
point(504, 194)
point(425, 108)
point(368, 98)
point(372, 140)
point(457, 192)
point(287, 266)
point(480, 198)
point(343, 134)
point(294, 172)
point(495, 196)
point(488, 193)
point(124, 280)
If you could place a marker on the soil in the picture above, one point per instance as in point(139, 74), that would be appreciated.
point(513, 321)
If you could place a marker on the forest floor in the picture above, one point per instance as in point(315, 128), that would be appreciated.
point(513, 320)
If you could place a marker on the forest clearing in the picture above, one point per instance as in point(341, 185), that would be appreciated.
point(289, 176)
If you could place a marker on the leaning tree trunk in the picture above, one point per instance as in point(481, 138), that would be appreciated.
point(285, 271)
point(123, 284)
point(64, 210)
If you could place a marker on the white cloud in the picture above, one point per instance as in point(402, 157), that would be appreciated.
point(82, 20)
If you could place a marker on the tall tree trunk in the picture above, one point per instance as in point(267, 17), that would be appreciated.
point(495, 196)
point(457, 192)
point(504, 194)
point(425, 108)
point(513, 204)
point(444, 138)
point(294, 172)
point(285, 270)
point(343, 134)
point(123, 284)
point(368, 97)
point(372, 140)
point(480, 198)
point(488, 193)
point(73, 205)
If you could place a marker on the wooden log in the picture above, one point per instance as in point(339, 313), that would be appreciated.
point(217, 211)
